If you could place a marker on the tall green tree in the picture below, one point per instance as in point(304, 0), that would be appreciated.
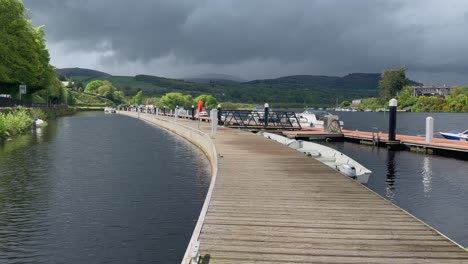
point(24, 58)
point(93, 86)
point(138, 98)
point(208, 100)
point(391, 82)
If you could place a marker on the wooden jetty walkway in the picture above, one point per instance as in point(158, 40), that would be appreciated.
point(412, 142)
point(271, 204)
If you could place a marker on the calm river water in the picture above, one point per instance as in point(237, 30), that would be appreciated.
point(97, 188)
point(433, 188)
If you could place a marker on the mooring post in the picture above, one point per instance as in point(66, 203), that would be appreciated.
point(164, 110)
point(266, 114)
point(219, 114)
point(193, 112)
point(392, 120)
point(429, 129)
point(214, 123)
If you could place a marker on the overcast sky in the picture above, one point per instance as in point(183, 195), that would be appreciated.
point(255, 39)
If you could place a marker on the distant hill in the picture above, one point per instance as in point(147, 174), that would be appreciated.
point(70, 72)
point(287, 91)
point(214, 78)
point(352, 81)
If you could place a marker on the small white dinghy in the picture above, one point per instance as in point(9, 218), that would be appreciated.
point(275, 137)
point(328, 156)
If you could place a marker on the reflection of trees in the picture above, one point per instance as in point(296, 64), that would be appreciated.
point(391, 174)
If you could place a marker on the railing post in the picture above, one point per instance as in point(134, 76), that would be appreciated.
point(193, 112)
point(219, 114)
point(265, 116)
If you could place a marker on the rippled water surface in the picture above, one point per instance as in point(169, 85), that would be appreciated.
point(97, 188)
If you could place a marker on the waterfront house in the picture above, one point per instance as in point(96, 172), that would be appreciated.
point(431, 90)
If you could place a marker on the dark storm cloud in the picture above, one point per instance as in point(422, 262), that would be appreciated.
point(263, 37)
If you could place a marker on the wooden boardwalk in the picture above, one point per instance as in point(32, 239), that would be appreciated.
point(272, 204)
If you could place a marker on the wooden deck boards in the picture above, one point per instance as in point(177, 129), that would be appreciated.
point(272, 204)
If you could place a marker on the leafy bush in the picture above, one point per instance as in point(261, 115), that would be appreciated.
point(15, 122)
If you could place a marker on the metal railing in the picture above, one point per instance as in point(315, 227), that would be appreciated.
point(260, 119)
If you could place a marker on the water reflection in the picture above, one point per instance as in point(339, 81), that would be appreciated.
point(38, 134)
point(391, 175)
point(427, 176)
point(97, 188)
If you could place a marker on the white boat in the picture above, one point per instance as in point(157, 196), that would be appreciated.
point(110, 110)
point(314, 118)
point(328, 156)
point(277, 138)
point(37, 122)
point(334, 159)
point(455, 135)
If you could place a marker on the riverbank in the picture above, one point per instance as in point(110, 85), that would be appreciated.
point(15, 121)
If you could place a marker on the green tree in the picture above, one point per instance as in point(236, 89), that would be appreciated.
point(119, 97)
point(138, 98)
point(171, 100)
point(24, 58)
point(345, 104)
point(391, 82)
point(405, 98)
point(93, 86)
point(208, 100)
point(106, 90)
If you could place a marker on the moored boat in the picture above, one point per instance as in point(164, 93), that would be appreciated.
point(314, 118)
point(110, 110)
point(455, 135)
point(328, 156)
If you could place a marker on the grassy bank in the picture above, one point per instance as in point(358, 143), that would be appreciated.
point(17, 120)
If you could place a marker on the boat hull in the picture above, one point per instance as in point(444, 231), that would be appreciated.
point(453, 136)
point(328, 156)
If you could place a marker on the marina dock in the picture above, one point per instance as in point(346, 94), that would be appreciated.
point(437, 146)
point(268, 203)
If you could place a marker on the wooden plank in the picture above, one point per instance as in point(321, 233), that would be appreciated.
point(272, 204)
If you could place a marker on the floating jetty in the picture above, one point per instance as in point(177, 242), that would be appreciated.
point(268, 203)
point(440, 146)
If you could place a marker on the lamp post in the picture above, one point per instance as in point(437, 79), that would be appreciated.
point(193, 112)
point(219, 114)
point(266, 114)
point(176, 114)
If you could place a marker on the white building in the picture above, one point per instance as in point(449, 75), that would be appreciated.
point(431, 90)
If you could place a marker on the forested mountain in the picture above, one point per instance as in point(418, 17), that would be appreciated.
point(73, 72)
point(296, 90)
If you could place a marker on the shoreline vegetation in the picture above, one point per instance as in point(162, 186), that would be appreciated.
point(15, 121)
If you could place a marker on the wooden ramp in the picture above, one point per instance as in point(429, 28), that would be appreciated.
point(272, 204)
